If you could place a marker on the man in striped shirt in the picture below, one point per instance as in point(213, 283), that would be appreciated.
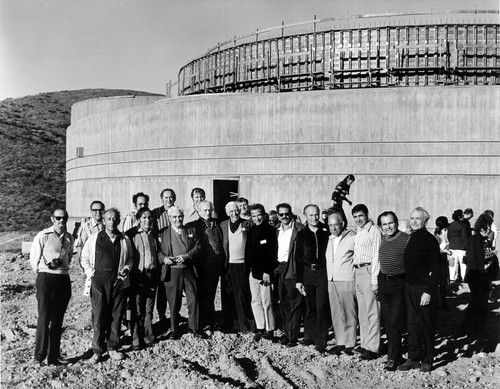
point(366, 269)
point(391, 284)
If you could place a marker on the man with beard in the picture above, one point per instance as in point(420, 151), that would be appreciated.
point(107, 259)
point(50, 256)
point(312, 280)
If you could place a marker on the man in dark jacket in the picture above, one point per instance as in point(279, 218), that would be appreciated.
point(260, 260)
point(209, 264)
point(421, 281)
point(290, 298)
point(180, 248)
point(312, 280)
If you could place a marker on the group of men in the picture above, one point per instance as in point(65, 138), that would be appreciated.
point(324, 273)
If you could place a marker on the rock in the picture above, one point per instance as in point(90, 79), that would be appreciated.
point(10, 335)
point(473, 379)
point(440, 373)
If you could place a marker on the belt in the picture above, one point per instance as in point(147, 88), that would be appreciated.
point(362, 265)
point(315, 266)
point(393, 276)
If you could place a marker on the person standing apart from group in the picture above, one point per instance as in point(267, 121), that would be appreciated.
point(457, 236)
point(50, 257)
point(107, 259)
point(366, 269)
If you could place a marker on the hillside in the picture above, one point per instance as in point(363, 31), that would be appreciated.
point(32, 154)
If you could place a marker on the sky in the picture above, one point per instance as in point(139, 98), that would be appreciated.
point(54, 45)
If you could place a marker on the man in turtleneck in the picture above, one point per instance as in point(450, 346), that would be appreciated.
point(422, 275)
point(210, 264)
point(234, 232)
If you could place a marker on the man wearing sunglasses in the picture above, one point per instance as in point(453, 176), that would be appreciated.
point(90, 227)
point(50, 256)
point(290, 298)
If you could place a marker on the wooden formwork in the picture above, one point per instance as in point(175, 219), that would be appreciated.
point(431, 53)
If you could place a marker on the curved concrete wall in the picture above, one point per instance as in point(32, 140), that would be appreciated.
point(437, 147)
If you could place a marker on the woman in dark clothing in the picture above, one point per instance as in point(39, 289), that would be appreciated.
point(457, 236)
point(441, 235)
point(481, 260)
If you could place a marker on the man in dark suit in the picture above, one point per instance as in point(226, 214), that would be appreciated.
point(234, 233)
point(260, 259)
point(210, 264)
point(290, 298)
point(179, 249)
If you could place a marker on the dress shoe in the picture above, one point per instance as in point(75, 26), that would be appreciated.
point(348, 351)
point(284, 341)
point(292, 343)
point(358, 350)
point(390, 365)
point(59, 361)
point(137, 347)
point(199, 334)
point(369, 355)
point(425, 367)
point(409, 365)
point(337, 349)
point(174, 336)
point(320, 350)
point(116, 355)
point(306, 342)
point(257, 336)
point(269, 335)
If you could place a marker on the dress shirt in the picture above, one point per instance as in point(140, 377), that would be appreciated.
point(366, 246)
point(160, 215)
point(339, 257)
point(284, 237)
point(88, 228)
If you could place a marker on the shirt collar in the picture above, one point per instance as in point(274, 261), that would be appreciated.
point(367, 226)
point(282, 229)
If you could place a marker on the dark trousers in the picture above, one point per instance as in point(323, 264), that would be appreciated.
point(421, 324)
point(108, 306)
point(239, 291)
point(391, 294)
point(227, 305)
point(143, 294)
point(207, 282)
point(182, 279)
point(290, 305)
point(477, 310)
point(316, 318)
point(161, 301)
point(53, 292)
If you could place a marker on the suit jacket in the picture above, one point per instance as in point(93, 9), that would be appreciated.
point(191, 242)
point(245, 225)
point(261, 250)
point(290, 272)
point(209, 259)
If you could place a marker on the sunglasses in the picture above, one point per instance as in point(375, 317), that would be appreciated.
point(284, 214)
point(60, 217)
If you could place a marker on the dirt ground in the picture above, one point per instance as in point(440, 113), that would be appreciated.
point(227, 360)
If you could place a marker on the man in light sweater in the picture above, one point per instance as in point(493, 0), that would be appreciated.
point(49, 258)
point(234, 237)
point(341, 286)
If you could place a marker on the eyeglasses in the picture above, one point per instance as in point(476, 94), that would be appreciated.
point(60, 218)
point(284, 214)
point(97, 210)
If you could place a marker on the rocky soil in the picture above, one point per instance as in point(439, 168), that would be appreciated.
point(226, 360)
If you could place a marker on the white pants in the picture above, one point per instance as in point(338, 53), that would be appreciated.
point(459, 266)
point(261, 305)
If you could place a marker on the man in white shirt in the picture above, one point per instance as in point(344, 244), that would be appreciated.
point(90, 227)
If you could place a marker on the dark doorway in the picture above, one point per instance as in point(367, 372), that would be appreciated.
point(224, 192)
